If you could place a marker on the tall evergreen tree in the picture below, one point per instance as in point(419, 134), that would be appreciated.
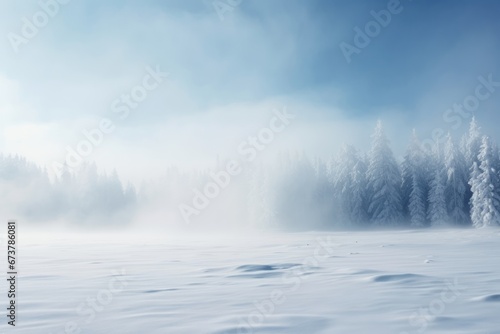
point(384, 182)
point(350, 185)
point(417, 204)
point(456, 184)
point(358, 193)
point(476, 203)
point(437, 204)
point(415, 183)
point(472, 143)
point(488, 187)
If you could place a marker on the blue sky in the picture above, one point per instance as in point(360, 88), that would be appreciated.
point(226, 75)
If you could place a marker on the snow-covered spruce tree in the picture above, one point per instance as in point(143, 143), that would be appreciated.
point(345, 162)
point(437, 203)
point(407, 180)
point(349, 185)
point(457, 176)
point(472, 143)
point(475, 202)
point(487, 188)
point(415, 183)
point(417, 204)
point(358, 193)
point(384, 182)
point(495, 163)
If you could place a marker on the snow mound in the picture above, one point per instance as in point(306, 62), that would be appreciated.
point(262, 270)
point(488, 298)
point(266, 267)
point(404, 278)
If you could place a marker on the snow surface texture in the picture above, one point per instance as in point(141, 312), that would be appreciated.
point(425, 281)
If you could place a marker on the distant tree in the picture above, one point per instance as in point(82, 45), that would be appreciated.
point(384, 182)
point(260, 197)
point(26, 190)
point(457, 176)
point(295, 189)
point(417, 204)
point(358, 193)
point(130, 195)
point(415, 183)
point(350, 186)
point(323, 194)
point(437, 213)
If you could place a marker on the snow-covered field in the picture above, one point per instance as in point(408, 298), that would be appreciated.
point(426, 281)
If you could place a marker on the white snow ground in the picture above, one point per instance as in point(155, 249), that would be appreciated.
point(428, 281)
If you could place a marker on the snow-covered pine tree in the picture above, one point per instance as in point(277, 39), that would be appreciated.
point(437, 213)
point(470, 146)
point(384, 182)
point(488, 188)
point(475, 202)
point(473, 143)
point(358, 193)
point(457, 176)
point(350, 185)
point(495, 163)
point(345, 163)
point(414, 186)
point(407, 178)
point(417, 204)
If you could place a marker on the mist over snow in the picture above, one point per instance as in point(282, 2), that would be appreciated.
point(249, 166)
point(118, 114)
point(454, 183)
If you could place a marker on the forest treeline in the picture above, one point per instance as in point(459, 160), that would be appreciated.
point(454, 183)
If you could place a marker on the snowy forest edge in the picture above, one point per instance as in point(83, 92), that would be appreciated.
point(455, 183)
